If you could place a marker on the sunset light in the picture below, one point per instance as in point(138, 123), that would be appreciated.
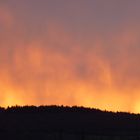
point(59, 55)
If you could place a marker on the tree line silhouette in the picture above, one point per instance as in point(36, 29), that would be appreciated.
point(31, 122)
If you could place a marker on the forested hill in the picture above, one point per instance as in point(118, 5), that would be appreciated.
point(74, 120)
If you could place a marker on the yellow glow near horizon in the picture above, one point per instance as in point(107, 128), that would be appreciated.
point(55, 68)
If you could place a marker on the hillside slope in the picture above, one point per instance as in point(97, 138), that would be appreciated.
point(40, 122)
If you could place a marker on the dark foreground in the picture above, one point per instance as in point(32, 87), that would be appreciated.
point(67, 123)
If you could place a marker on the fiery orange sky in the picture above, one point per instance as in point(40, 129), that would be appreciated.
point(84, 53)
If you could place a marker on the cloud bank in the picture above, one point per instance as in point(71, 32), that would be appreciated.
point(55, 66)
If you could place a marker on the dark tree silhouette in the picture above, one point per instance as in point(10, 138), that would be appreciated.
point(59, 122)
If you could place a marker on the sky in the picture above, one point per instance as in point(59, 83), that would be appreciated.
point(70, 52)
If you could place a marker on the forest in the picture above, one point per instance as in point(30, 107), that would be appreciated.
point(67, 123)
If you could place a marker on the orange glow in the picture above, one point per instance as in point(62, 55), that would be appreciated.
point(59, 70)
